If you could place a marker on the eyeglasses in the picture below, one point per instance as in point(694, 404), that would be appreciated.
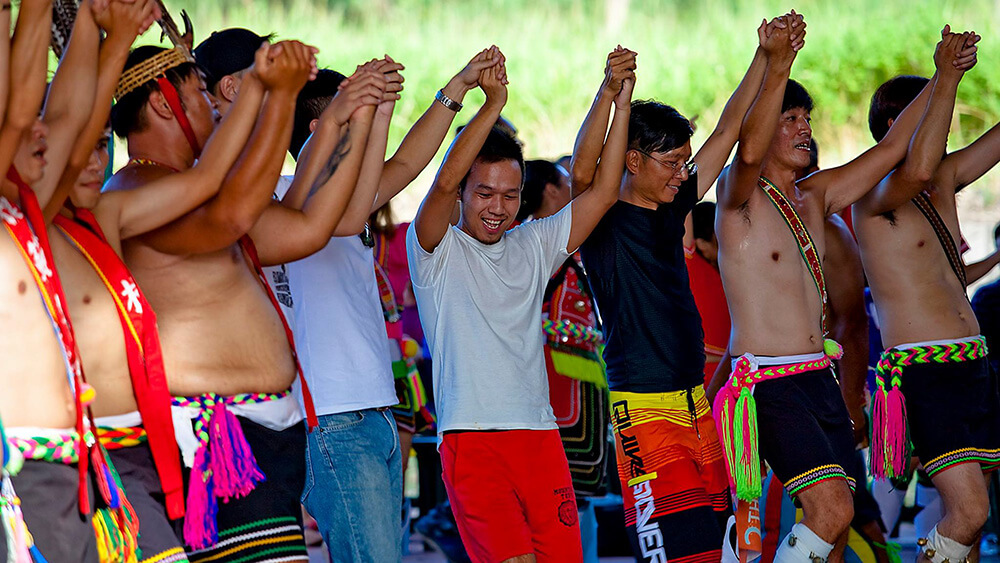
point(676, 167)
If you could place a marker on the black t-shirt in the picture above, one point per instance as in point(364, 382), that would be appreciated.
point(652, 330)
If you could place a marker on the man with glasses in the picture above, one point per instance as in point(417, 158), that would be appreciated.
point(669, 460)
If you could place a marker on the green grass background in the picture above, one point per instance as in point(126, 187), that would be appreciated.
point(692, 53)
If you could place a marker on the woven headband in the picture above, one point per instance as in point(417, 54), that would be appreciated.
point(151, 69)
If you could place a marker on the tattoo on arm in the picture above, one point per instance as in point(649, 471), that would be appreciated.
point(338, 154)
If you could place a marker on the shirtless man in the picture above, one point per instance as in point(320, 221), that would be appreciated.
point(37, 405)
point(479, 289)
point(117, 327)
point(935, 359)
point(224, 347)
point(777, 299)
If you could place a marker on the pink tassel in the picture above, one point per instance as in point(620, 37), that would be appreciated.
point(234, 470)
point(200, 530)
point(890, 445)
point(20, 540)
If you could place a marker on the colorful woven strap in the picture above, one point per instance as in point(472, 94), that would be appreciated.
point(224, 466)
point(53, 449)
point(890, 443)
point(735, 413)
point(118, 438)
point(923, 203)
point(566, 330)
point(808, 250)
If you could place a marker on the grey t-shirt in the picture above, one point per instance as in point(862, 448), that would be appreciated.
point(480, 306)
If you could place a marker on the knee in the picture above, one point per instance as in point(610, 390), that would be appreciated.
point(832, 515)
point(969, 516)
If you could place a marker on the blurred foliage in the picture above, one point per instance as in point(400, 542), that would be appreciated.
point(691, 55)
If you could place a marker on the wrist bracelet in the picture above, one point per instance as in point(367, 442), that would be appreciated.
point(448, 102)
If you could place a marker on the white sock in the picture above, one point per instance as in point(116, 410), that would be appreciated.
point(802, 545)
point(939, 548)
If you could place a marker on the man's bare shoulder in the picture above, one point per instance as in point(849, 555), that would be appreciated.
point(132, 177)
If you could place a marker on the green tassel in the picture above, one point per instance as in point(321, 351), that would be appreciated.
point(746, 471)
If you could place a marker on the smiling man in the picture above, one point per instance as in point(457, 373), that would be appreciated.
point(480, 289)
point(782, 389)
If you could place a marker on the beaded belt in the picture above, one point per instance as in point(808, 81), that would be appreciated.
point(890, 446)
point(224, 466)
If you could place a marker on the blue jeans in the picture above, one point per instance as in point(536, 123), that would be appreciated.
point(354, 485)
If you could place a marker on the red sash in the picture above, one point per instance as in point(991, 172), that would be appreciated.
point(142, 346)
point(26, 226)
point(246, 243)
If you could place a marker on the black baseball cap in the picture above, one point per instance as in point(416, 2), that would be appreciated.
point(227, 52)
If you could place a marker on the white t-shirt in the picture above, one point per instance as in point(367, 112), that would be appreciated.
point(338, 324)
point(480, 306)
point(277, 276)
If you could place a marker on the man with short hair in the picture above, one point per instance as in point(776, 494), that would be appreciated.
point(229, 359)
point(669, 461)
point(781, 394)
point(934, 383)
point(479, 289)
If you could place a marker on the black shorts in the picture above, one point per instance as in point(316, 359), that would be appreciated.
point(953, 413)
point(805, 432)
point(51, 509)
point(266, 524)
point(157, 538)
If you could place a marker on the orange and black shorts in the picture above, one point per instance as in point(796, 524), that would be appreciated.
point(673, 475)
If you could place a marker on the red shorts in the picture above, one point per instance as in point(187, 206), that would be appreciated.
point(511, 494)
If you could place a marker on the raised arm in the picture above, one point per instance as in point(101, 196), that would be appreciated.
point(963, 167)
point(28, 65)
point(434, 216)
point(761, 119)
point(845, 282)
point(930, 140)
point(4, 60)
point(424, 139)
point(712, 156)
point(284, 234)
point(589, 207)
point(373, 161)
point(246, 191)
point(123, 22)
point(843, 185)
point(590, 141)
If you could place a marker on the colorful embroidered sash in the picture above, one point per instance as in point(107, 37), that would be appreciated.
point(890, 449)
point(735, 413)
point(923, 203)
point(142, 347)
point(810, 255)
point(246, 243)
point(224, 465)
point(27, 229)
point(116, 526)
